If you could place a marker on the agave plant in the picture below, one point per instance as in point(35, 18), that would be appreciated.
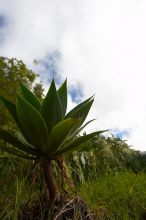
point(46, 132)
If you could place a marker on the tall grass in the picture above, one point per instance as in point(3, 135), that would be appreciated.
point(16, 187)
point(121, 196)
point(113, 196)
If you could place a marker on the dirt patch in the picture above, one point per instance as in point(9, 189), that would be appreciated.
point(64, 208)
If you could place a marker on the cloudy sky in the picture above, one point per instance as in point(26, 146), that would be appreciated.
point(99, 45)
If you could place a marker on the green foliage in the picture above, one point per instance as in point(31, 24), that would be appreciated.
point(30, 97)
point(15, 140)
point(81, 110)
point(45, 132)
point(111, 196)
point(51, 109)
point(17, 185)
point(60, 132)
point(33, 126)
point(38, 90)
point(116, 196)
point(62, 93)
point(106, 155)
point(11, 107)
point(12, 73)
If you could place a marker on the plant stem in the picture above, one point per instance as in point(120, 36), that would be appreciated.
point(49, 176)
point(64, 175)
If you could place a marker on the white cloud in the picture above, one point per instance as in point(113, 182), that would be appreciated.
point(103, 47)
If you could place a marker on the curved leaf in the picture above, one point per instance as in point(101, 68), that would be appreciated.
point(11, 139)
point(81, 110)
point(16, 152)
point(76, 108)
point(22, 139)
point(51, 108)
point(11, 107)
point(72, 134)
point(60, 132)
point(33, 125)
point(62, 93)
point(74, 145)
point(30, 97)
point(78, 130)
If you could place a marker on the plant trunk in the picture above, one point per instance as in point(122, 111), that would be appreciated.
point(64, 176)
point(49, 176)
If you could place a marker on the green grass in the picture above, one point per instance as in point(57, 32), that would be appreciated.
point(121, 196)
point(15, 187)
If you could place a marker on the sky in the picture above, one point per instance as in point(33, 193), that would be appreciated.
point(98, 45)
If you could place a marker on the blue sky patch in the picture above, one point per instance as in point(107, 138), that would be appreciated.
point(76, 93)
point(2, 21)
point(121, 133)
point(3, 28)
point(49, 67)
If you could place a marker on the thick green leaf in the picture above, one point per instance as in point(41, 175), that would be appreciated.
point(33, 125)
point(78, 130)
point(62, 93)
point(51, 108)
point(75, 145)
point(11, 139)
point(82, 112)
point(60, 132)
point(72, 134)
point(30, 97)
point(23, 140)
point(11, 107)
point(76, 108)
point(16, 152)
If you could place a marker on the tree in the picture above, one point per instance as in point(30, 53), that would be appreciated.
point(46, 131)
point(12, 73)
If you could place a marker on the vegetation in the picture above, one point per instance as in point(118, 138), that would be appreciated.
point(12, 73)
point(106, 155)
point(42, 150)
point(117, 196)
point(46, 131)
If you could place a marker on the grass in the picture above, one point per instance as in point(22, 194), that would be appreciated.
point(117, 197)
point(16, 187)
point(120, 196)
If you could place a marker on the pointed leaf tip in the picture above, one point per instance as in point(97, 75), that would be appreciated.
point(81, 110)
point(51, 109)
point(75, 145)
point(30, 97)
point(62, 93)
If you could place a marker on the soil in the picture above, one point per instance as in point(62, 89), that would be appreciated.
point(64, 208)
